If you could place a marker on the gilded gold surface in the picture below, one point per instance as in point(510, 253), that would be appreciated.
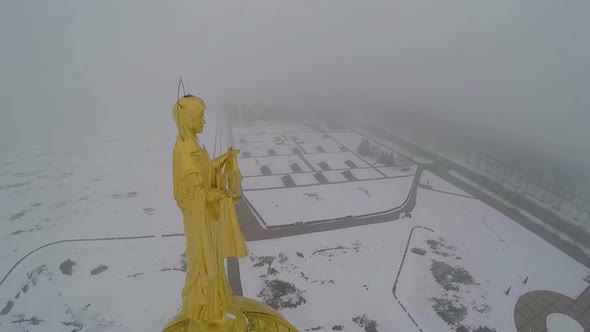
point(206, 190)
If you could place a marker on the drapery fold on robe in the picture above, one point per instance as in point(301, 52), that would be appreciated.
point(234, 176)
point(206, 292)
point(232, 239)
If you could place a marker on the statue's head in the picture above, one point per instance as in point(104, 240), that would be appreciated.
point(189, 115)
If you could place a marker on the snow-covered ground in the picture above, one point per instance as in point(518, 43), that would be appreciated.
point(566, 205)
point(392, 171)
point(276, 164)
point(275, 181)
point(562, 323)
point(483, 250)
point(256, 138)
point(585, 247)
point(496, 251)
point(352, 186)
point(305, 136)
point(266, 127)
point(259, 149)
point(430, 180)
point(351, 140)
point(417, 157)
point(569, 207)
point(118, 285)
point(328, 281)
point(368, 173)
point(322, 281)
point(335, 160)
point(118, 187)
point(303, 204)
point(314, 146)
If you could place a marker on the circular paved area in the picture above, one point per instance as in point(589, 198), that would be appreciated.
point(533, 308)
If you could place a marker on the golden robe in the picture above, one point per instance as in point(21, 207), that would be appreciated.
point(212, 230)
point(212, 234)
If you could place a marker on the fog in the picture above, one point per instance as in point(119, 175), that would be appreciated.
point(511, 77)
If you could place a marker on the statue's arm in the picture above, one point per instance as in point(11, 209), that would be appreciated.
point(221, 160)
point(193, 192)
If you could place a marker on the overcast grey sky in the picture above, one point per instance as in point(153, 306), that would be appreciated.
point(512, 70)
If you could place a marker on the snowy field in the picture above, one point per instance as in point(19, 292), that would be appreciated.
point(322, 281)
point(434, 182)
point(256, 138)
point(275, 181)
point(367, 173)
point(276, 164)
point(351, 140)
point(568, 207)
point(117, 187)
point(344, 278)
point(496, 251)
point(393, 171)
point(419, 158)
point(119, 285)
point(585, 247)
point(306, 136)
point(319, 145)
point(335, 160)
point(341, 280)
point(344, 190)
point(260, 149)
point(267, 128)
point(290, 205)
point(565, 205)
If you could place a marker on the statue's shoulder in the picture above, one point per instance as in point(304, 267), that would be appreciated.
point(183, 156)
point(182, 150)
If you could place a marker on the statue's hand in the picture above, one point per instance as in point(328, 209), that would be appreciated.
point(215, 195)
point(233, 151)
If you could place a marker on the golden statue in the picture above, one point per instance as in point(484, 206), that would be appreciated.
point(206, 190)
